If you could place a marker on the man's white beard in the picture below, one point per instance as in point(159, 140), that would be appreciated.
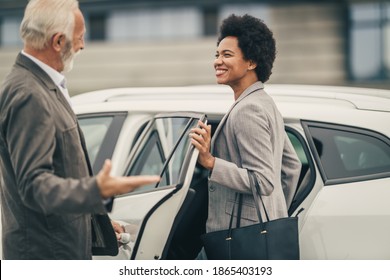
point(68, 64)
point(68, 57)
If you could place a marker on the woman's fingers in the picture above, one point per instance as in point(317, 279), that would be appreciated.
point(201, 134)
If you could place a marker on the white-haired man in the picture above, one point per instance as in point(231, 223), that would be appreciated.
point(49, 193)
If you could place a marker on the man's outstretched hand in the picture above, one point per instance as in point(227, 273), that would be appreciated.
point(115, 185)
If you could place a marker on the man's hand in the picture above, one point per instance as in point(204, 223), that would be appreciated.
point(118, 229)
point(111, 186)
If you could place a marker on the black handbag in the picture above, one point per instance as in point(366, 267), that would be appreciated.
point(267, 240)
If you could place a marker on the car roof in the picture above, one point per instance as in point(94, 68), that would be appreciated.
point(360, 98)
point(367, 108)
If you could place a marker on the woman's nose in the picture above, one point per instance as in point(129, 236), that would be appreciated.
point(217, 60)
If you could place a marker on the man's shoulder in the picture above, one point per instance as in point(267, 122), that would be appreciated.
point(20, 85)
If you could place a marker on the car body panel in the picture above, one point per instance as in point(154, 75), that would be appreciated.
point(131, 211)
point(356, 214)
point(332, 218)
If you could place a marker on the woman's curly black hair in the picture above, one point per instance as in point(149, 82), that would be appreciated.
point(255, 40)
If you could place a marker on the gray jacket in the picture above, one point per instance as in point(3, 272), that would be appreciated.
point(47, 193)
point(251, 136)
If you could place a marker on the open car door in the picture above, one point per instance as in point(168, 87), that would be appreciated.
point(150, 214)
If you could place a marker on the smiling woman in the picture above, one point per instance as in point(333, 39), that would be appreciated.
point(251, 136)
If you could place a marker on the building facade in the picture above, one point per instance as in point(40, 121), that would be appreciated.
point(172, 42)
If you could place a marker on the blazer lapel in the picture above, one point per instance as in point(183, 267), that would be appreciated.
point(221, 124)
point(64, 102)
point(256, 86)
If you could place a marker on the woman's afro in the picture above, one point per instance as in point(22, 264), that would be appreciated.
point(255, 40)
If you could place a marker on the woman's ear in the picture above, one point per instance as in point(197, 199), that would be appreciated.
point(252, 65)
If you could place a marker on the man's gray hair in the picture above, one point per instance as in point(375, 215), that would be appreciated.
point(44, 18)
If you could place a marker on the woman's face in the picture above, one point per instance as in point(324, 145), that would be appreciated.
point(230, 66)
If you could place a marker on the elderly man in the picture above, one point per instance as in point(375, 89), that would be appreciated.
point(49, 193)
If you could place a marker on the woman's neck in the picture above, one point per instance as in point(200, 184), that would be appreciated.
point(239, 88)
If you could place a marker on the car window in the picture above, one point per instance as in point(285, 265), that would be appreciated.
point(349, 154)
point(151, 159)
point(298, 146)
point(180, 128)
point(138, 134)
point(95, 129)
point(162, 153)
point(101, 133)
point(361, 153)
point(307, 175)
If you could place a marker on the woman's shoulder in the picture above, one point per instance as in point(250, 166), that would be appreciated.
point(258, 99)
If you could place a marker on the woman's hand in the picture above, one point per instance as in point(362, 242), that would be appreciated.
point(201, 139)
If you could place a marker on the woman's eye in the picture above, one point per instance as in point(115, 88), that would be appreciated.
point(223, 55)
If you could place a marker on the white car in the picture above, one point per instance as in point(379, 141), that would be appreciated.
point(340, 134)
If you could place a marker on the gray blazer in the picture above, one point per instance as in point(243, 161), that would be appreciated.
point(47, 194)
point(251, 136)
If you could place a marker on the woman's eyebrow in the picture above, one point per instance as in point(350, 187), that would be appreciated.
point(225, 51)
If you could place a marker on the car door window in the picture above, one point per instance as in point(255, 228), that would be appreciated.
point(348, 154)
point(307, 175)
point(162, 153)
point(151, 159)
point(180, 128)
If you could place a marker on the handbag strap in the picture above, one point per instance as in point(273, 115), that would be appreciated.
point(239, 209)
point(254, 184)
point(239, 196)
point(256, 192)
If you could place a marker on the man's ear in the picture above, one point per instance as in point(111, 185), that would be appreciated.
point(57, 40)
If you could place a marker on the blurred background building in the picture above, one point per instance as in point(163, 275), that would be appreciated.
point(173, 42)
